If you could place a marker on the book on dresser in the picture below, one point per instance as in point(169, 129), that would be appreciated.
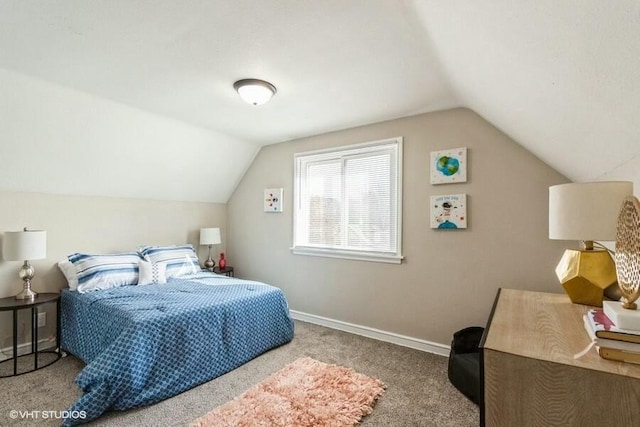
point(619, 355)
point(611, 349)
point(608, 343)
point(604, 328)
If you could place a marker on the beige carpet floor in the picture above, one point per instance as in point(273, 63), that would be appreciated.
point(418, 391)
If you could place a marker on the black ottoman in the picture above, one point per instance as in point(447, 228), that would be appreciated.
point(464, 362)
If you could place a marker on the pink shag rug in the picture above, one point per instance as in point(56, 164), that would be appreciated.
point(303, 393)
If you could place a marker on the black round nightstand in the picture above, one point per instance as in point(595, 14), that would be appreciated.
point(227, 271)
point(15, 305)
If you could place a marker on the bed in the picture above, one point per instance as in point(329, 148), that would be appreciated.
point(143, 344)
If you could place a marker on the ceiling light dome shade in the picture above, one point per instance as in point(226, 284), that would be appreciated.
point(254, 91)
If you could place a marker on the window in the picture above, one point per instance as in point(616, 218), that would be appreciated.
point(347, 202)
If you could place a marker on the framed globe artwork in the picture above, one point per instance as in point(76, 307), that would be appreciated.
point(449, 166)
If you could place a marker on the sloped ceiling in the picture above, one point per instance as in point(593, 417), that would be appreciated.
point(562, 78)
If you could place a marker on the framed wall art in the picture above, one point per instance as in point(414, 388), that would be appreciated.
point(449, 211)
point(273, 199)
point(449, 166)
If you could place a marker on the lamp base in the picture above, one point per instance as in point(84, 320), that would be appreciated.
point(209, 264)
point(585, 275)
point(27, 293)
point(26, 273)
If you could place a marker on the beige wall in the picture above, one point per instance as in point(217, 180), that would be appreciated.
point(448, 279)
point(95, 225)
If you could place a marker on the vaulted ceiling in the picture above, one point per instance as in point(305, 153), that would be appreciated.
point(562, 78)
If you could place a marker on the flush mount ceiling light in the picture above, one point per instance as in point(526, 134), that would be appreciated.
point(254, 91)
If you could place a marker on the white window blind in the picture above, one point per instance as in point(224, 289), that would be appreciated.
point(347, 202)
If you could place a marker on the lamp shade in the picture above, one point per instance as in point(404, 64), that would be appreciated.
point(210, 236)
point(24, 245)
point(254, 91)
point(586, 211)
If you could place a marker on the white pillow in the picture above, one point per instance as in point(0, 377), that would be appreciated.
point(69, 272)
point(180, 260)
point(152, 273)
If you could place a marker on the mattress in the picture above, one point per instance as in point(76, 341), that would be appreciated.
point(143, 344)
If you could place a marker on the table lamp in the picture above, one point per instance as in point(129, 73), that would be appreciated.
point(24, 246)
point(587, 212)
point(209, 236)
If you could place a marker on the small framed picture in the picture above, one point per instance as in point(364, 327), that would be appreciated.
point(449, 166)
point(449, 212)
point(273, 199)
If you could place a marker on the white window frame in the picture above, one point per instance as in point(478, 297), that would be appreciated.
point(300, 161)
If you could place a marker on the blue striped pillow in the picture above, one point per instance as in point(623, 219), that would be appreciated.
point(105, 271)
point(180, 260)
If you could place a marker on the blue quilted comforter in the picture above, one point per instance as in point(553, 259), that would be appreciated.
point(143, 344)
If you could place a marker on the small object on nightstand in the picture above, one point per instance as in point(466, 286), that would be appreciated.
point(228, 271)
point(223, 262)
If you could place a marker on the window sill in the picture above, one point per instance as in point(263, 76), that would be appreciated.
point(352, 255)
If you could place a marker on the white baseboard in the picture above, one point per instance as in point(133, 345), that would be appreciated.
point(25, 348)
point(376, 334)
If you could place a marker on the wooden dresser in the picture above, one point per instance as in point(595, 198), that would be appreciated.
point(530, 376)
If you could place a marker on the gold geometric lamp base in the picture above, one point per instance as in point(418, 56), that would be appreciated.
point(585, 275)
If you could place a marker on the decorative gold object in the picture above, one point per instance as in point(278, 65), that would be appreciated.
point(628, 252)
point(586, 274)
point(587, 212)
